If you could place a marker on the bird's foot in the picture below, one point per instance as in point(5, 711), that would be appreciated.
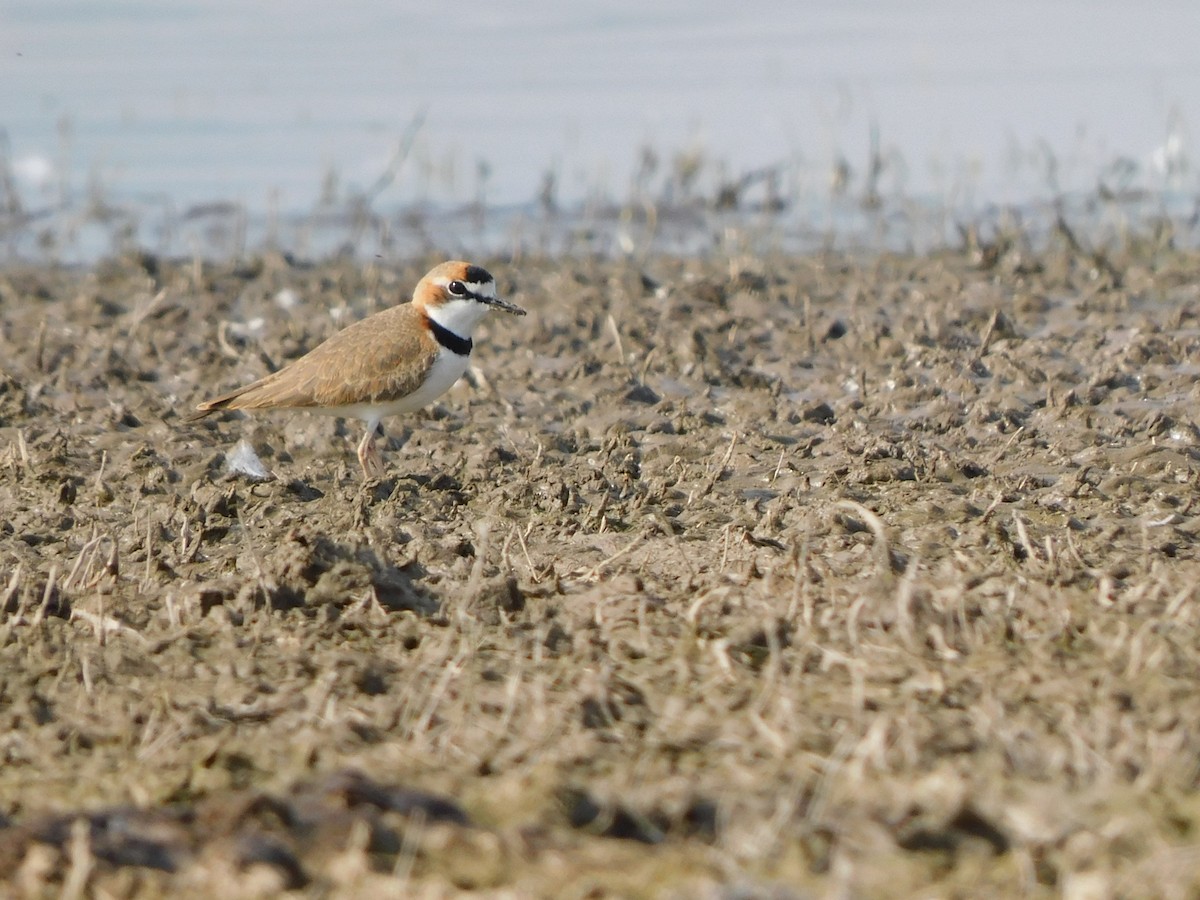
point(370, 458)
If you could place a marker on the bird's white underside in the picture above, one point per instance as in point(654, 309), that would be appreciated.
point(447, 369)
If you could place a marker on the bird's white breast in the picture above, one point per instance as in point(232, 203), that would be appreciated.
point(447, 368)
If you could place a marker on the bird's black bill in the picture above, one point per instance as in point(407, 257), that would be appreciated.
point(503, 304)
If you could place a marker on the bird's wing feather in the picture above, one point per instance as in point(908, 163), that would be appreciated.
point(385, 356)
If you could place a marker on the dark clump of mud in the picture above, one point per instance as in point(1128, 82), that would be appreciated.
point(732, 577)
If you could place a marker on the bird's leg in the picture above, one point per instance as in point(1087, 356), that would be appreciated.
point(369, 456)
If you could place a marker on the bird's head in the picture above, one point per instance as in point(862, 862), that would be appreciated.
point(457, 295)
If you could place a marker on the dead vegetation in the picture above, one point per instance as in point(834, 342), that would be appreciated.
point(757, 576)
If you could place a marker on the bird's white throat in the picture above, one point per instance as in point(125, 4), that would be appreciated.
point(459, 316)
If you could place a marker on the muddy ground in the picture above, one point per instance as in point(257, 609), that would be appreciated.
point(735, 577)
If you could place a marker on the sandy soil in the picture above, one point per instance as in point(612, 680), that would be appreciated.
point(738, 577)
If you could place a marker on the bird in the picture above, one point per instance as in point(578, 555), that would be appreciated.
point(395, 361)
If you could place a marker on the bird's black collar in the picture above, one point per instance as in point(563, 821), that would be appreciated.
point(460, 346)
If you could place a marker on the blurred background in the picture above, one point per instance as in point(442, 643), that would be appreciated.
point(214, 126)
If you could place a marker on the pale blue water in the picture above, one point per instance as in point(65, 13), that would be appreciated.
point(159, 106)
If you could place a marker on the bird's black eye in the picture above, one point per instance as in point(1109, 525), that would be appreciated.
point(457, 288)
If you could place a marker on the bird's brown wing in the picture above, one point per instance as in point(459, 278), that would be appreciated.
point(383, 357)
